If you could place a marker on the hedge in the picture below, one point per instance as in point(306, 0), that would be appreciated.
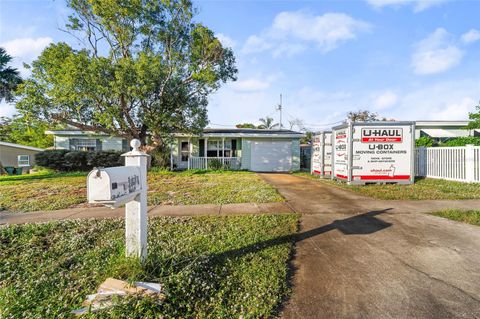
point(67, 161)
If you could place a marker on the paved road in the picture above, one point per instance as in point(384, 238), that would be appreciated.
point(361, 258)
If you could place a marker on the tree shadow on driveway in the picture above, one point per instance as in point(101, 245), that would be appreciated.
point(362, 224)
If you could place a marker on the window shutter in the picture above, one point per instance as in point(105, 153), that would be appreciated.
point(98, 146)
point(124, 145)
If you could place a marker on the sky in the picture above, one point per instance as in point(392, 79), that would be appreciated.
point(403, 59)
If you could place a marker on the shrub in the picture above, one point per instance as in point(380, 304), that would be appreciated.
point(215, 164)
point(424, 141)
point(462, 141)
point(67, 161)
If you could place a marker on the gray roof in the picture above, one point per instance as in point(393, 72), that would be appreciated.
point(248, 131)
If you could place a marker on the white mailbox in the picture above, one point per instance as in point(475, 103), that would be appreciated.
point(113, 186)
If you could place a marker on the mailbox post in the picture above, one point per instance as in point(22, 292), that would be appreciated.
point(115, 186)
point(136, 210)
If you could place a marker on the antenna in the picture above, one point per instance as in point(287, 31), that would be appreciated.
point(279, 108)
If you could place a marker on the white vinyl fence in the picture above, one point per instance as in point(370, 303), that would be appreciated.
point(460, 163)
point(229, 163)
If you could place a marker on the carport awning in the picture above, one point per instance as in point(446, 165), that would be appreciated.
point(437, 132)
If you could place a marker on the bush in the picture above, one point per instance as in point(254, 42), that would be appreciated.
point(462, 141)
point(424, 141)
point(67, 161)
point(215, 164)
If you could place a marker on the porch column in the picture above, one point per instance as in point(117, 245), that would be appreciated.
point(171, 156)
point(189, 153)
point(205, 152)
point(223, 150)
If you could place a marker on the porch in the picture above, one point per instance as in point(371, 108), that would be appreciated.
point(206, 153)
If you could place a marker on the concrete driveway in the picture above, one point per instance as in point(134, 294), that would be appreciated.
point(362, 258)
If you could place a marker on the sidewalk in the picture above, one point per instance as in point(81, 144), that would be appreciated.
point(159, 210)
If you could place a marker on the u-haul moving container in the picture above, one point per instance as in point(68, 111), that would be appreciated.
point(322, 154)
point(374, 152)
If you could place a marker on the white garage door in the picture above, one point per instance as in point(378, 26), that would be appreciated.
point(271, 156)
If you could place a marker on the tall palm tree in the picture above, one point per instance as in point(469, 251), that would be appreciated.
point(9, 77)
point(267, 123)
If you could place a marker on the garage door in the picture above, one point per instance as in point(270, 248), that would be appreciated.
point(271, 156)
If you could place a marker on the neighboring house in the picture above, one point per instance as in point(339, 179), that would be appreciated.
point(443, 130)
point(77, 140)
point(16, 155)
point(247, 149)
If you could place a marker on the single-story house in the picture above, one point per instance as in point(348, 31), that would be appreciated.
point(443, 130)
point(78, 140)
point(18, 156)
point(247, 149)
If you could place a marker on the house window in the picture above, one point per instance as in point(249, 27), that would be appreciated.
point(86, 145)
point(23, 160)
point(215, 149)
point(184, 151)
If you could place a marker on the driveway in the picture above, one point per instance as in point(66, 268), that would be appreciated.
point(362, 258)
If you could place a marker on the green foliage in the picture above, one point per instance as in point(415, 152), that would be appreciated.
point(465, 216)
point(424, 141)
point(245, 125)
point(9, 77)
point(147, 70)
point(25, 130)
point(215, 164)
point(364, 116)
point(67, 161)
point(475, 118)
point(268, 123)
point(210, 267)
point(462, 141)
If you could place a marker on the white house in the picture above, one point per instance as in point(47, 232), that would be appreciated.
point(18, 156)
point(248, 149)
point(443, 130)
point(78, 140)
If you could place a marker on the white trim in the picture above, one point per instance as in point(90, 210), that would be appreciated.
point(78, 133)
point(220, 135)
point(31, 148)
point(23, 165)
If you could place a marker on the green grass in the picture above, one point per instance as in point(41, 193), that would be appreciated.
point(423, 189)
point(211, 267)
point(50, 191)
point(465, 216)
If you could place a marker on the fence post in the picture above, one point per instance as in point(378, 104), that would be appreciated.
point(422, 161)
point(469, 163)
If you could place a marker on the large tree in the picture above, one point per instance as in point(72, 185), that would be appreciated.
point(9, 77)
point(474, 118)
point(25, 130)
point(145, 70)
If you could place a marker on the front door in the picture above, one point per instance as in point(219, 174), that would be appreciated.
point(184, 152)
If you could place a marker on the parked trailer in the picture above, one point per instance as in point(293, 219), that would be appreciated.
point(322, 154)
point(374, 152)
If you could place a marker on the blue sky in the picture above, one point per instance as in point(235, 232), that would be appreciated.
point(408, 60)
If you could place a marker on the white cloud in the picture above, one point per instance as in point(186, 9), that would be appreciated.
point(385, 100)
point(255, 44)
point(292, 31)
point(436, 53)
point(226, 40)
point(7, 109)
point(25, 50)
point(418, 5)
point(256, 83)
point(471, 36)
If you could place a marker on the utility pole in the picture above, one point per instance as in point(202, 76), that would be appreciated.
point(279, 108)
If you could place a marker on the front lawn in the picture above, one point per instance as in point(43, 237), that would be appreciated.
point(50, 191)
point(211, 267)
point(465, 216)
point(424, 188)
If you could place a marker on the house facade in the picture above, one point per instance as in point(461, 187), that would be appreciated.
point(441, 131)
point(18, 156)
point(77, 140)
point(245, 149)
